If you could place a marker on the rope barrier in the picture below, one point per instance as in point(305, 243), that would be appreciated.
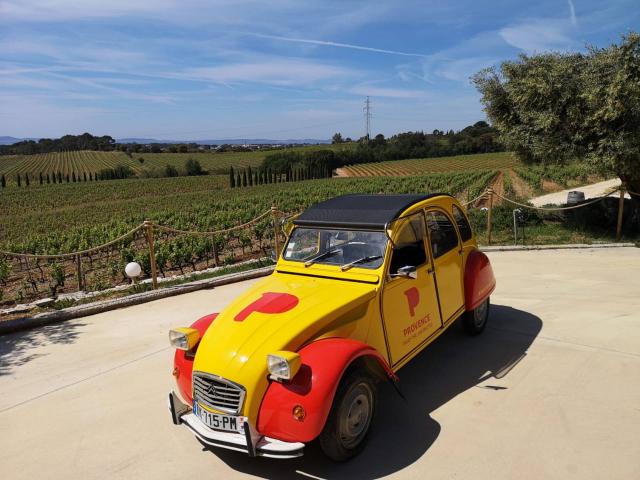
point(165, 228)
point(556, 209)
point(129, 233)
point(475, 199)
point(73, 254)
point(214, 232)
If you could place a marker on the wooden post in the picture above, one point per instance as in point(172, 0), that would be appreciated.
point(490, 192)
point(79, 274)
point(276, 240)
point(215, 253)
point(152, 253)
point(620, 214)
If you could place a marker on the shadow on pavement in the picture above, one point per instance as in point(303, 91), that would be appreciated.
point(16, 349)
point(404, 430)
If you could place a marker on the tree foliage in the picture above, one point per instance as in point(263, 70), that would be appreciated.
point(556, 107)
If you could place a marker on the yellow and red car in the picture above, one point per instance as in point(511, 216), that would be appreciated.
point(363, 284)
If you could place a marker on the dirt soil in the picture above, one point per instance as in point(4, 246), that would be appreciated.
point(521, 188)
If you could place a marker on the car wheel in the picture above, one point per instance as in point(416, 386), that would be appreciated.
point(345, 432)
point(475, 320)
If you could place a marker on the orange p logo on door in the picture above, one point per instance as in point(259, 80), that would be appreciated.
point(269, 302)
point(413, 299)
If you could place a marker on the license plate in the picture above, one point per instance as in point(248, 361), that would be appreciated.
point(216, 421)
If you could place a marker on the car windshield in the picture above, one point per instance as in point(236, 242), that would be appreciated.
point(347, 248)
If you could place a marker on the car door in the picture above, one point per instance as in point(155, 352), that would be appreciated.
point(447, 254)
point(409, 305)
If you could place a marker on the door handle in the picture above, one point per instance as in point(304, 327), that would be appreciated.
point(430, 270)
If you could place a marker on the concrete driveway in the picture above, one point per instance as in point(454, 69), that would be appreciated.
point(550, 390)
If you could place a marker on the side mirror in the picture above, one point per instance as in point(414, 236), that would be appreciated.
point(408, 271)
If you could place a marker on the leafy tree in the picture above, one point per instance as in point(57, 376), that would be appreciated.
point(193, 168)
point(337, 138)
point(170, 171)
point(558, 107)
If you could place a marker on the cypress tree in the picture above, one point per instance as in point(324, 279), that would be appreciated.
point(250, 176)
point(90, 176)
point(232, 178)
point(26, 179)
point(48, 179)
point(59, 176)
point(238, 180)
point(3, 181)
point(84, 175)
point(67, 178)
point(244, 178)
point(73, 176)
point(53, 175)
point(41, 179)
point(19, 180)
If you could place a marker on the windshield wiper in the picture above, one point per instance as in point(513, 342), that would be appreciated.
point(366, 259)
point(313, 260)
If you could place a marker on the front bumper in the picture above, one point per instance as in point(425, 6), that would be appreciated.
point(251, 443)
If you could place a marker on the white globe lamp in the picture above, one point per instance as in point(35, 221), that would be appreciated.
point(133, 270)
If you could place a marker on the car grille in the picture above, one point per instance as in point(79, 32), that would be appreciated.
point(217, 393)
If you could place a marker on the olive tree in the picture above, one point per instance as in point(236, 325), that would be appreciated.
point(559, 107)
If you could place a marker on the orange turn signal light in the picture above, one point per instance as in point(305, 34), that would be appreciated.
point(299, 413)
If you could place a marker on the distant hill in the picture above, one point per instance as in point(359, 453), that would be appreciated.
point(6, 140)
point(228, 141)
point(12, 140)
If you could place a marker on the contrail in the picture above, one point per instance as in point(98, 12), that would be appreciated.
point(572, 14)
point(335, 44)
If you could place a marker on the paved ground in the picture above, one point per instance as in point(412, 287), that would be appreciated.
point(550, 390)
point(590, 191)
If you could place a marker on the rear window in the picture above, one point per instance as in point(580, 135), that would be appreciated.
point(463, 225)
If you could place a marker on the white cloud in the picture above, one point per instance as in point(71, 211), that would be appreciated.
point(572, 14)
point(281, 72)
point(538, 35)
point(326, 43)
point(385, 92)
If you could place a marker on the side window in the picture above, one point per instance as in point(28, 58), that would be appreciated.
point(441, 232)
point(463, 225)
point(409, 244)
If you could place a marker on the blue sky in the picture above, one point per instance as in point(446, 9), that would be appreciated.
point(193, 69)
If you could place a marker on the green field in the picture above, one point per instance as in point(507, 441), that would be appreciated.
point(423, 166)
point(86, 162)
point(82, 215)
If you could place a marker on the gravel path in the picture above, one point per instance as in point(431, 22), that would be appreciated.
point(590, 191)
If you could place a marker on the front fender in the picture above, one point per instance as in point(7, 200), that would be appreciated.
point(314, 386)
point(479, 281)
point(183, 360)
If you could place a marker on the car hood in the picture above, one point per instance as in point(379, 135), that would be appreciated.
point(281, 312)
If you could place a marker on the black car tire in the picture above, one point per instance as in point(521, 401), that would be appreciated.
point(349, 422)
point(476, 320)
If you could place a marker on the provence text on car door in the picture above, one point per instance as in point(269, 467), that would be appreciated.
point(409, 302)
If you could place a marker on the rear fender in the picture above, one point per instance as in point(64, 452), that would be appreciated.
point(314, 386)
point(479, 281)
point(183, 360)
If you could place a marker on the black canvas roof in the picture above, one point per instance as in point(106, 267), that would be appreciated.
point(359, 211)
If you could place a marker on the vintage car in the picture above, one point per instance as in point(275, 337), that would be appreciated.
point(362, 285)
